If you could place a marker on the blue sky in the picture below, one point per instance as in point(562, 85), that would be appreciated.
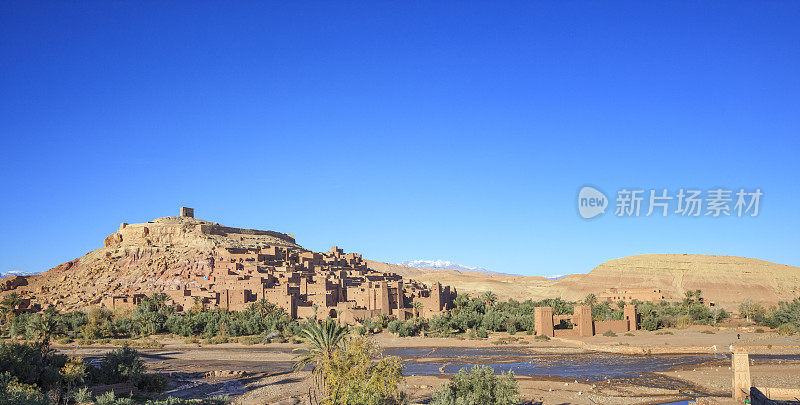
point(455, 130)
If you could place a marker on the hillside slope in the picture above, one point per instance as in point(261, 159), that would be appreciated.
point(725, 280)
point(140, 258)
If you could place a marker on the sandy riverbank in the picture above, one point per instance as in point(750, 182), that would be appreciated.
point(261, 374)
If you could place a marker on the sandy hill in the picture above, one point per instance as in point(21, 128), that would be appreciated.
point(725, 280)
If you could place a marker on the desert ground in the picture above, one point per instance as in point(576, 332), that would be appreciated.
point(641, 367)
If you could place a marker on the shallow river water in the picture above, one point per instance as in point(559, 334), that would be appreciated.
point(585, 366)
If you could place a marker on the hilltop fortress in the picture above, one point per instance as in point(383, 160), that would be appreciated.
point(201, 264)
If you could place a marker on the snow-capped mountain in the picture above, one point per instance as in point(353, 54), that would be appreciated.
point(438, 264)
point(15, 273)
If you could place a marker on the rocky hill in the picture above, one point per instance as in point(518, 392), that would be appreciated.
point(138, 258)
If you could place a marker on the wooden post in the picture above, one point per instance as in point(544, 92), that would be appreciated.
point(740, 362)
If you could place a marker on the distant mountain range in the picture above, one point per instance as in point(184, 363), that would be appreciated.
point(439, 264)
point(15, 273)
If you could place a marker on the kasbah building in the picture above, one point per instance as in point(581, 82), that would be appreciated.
point(238, 267)
point(304, 283)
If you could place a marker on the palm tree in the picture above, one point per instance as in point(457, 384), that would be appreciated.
point(44, 325)
point(263, 308)
point(159, 301)
point(417, 308)
point(489, 298)
point(324, 337)
point(8, 305)
point(11, 301)
point(590, 300)
point(199, 305)
point(690, 296)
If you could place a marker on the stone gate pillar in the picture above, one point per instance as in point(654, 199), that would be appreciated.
point(582, 320)
point(629, 314)
point(741, 375)
point(543, 321)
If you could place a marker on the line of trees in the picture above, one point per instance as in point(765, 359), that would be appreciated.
point(151, 316)
point(785, 315)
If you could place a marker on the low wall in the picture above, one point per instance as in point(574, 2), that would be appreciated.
point(565, 332)
point(789, 394)
point(601, 327)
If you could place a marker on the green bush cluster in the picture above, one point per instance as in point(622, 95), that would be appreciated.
point(787, 312)
point(411, 327)
point(787, 329)
point(679, 314)
point(31, 364)
point(16, 393)
point(109, 398)
point(31, 373)
point(120, 365)
point(478, 386)
point(484, 313)
point(152, 316)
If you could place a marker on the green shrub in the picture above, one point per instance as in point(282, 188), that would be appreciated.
point(371, 326)
point(251, 340)
point(26, 363)
point(708, 331)
point(107, 398)
point(542, 337)
point(217, 340)
point(786, 312)
point(13, 392)
point(478, 386)
point(609, 333)
point(759, 330)
point(650, 322)
point(357, 373)
point(410, 327)
point(82, 395)
point(512, 329)
point(121, 365)
point(787, 329)
point(394, 326)
point(153, 383)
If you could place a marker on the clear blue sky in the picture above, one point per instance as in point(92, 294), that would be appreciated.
point(401, 130)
